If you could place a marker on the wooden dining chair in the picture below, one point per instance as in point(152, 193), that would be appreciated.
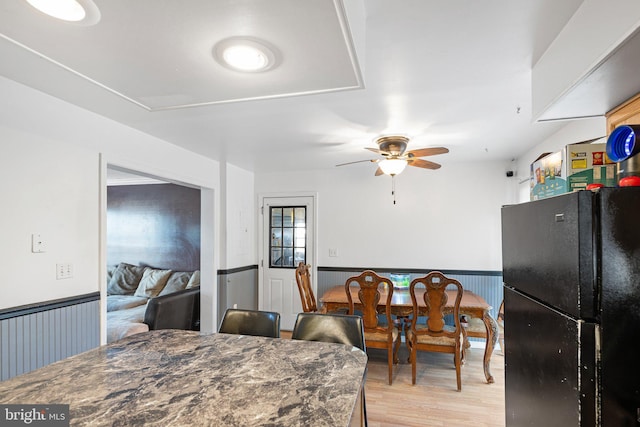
point(435, 335)
point(308, 299)
point(476, 328)
point(251, 322)
point(383, 335)
point(303, 279)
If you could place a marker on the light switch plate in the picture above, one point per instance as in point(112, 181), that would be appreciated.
point(64, 271)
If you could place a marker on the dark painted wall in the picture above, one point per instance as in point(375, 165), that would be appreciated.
point(156, 225)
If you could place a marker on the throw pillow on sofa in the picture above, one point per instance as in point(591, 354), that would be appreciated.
point(110, 270)
point(177, 282)
point(125, 279)
point(152, 282)
point(194, 280)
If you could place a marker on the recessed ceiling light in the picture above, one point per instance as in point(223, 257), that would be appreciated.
point(76, 11)
point(246, 54)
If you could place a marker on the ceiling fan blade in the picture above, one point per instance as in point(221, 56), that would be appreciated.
point(379, 172)
point(432, 151)
point(358, 161)
point(375, 150)
point(426, 164)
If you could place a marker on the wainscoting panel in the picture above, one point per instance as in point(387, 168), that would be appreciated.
point(238, 286)
point(487, 284)
point(35, 336)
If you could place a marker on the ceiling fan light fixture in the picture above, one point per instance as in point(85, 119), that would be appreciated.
point(395, 145)
point(246, 54)
point(392, 166)
point(83, 12)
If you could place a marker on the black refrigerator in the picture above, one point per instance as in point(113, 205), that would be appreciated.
point(571, 271)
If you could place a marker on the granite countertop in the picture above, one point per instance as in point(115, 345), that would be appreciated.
point(184, 378)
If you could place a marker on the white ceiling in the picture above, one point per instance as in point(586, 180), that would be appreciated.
point(454, 73)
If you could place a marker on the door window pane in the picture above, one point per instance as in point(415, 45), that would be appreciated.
point(276, 237)
point(288, 245)
point(287, 258)
point(276, 217)
point(300, 217)
point(300, 237)
point(287, 237)
point(287, 217)
point(276, 257)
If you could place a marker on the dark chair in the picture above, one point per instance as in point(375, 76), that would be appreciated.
point(251, 322)
point(335, 328)
point(435, 335)
point(178, 310)
point(377, 334)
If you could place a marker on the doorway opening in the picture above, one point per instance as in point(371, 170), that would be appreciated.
point(162, 231)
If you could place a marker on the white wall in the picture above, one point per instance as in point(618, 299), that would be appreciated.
point(50, 169)
point(574, 131)
point(445, 219)
point(46, 187)
point(240, 218)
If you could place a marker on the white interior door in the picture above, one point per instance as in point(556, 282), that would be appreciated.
point(288, 238)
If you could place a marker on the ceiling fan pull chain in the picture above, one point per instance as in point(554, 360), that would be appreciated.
point(393, 188)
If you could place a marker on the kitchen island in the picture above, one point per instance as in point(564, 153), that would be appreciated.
point(184, 378)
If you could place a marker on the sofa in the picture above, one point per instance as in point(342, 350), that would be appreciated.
point(142, 298)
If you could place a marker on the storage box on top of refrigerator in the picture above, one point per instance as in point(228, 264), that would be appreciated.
point(588, 163)
point(548, 176)
point(571, 270)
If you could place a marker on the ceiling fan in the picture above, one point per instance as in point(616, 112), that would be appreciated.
point(395, 157)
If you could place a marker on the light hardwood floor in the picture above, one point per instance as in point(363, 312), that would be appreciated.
point(434, 400)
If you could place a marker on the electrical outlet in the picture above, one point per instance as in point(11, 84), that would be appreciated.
point(333, 252)
point(64, 271)
point(37, 243)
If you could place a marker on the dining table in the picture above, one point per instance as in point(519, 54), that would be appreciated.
point(187, 378)
point(471, 304)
